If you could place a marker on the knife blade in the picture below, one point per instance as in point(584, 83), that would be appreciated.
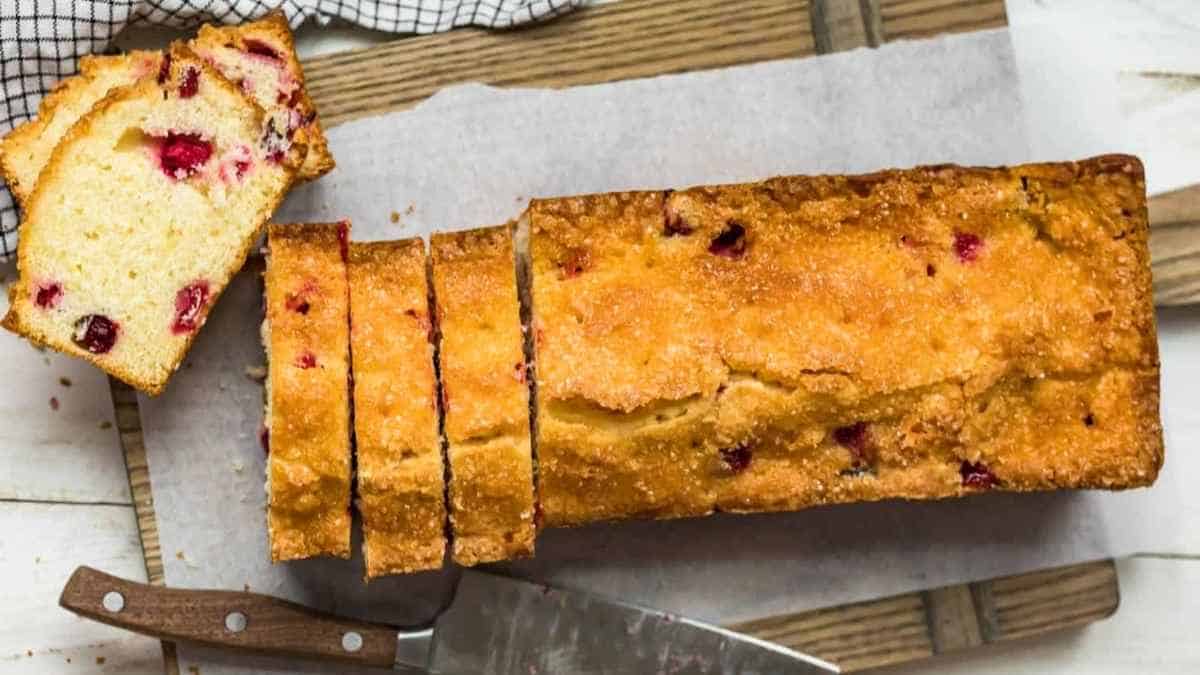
point(494, 624)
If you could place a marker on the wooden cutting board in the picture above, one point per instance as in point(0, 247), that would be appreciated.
point(640, 38)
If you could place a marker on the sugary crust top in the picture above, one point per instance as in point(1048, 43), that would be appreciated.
point(485, 395)
point(308, 472)
point(676, 329)
point(399, 459)
point(482, 356)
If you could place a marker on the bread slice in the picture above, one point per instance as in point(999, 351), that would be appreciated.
point(145, 209)
point(25, 150)
point(306, 333)
point(258, 56)
point(807, 340)
point(485, 399)
point(398, 450)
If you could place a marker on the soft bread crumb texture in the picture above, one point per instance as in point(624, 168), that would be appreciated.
point(485, 400)
point(268, 71)
point(25, 150)
point(308, 399)
point(808, 340)
point(260, 57)
point(400, 484)
point(113, 233)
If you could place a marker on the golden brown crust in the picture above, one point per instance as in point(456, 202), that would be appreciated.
point(274, 31)
point(485, 398)
point(398, 451)
point(308, 420)
point(809, 340)
point(20, 292)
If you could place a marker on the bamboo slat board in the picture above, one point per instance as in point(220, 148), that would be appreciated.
point(638, 38)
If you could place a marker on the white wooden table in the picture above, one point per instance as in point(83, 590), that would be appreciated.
point(64, 501)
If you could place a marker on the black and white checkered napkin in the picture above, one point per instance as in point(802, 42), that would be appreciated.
point(41, 40)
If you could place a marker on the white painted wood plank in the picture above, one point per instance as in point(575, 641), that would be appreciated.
point(1152, 632)
point(71, 453)
point(40, 546)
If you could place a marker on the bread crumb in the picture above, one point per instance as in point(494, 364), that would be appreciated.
point(238, 467)
point(54, 403)
point(395, 217)
point(64, 381)
point(179, 555)
point(29, 652)
point(193, 670)
point(46, 360)
point(105, 424)
point(409, 211)
point(100, 660)
point(256, 372)
point(246, 587)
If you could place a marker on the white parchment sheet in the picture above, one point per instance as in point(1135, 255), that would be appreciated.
point(472, 156)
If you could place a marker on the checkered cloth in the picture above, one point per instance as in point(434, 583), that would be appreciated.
point(41, 40)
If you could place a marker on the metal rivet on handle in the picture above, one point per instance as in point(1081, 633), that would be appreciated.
point(351, 641)
point(113, 601)
point(235, 622)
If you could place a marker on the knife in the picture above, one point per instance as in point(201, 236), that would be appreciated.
point(494, 624)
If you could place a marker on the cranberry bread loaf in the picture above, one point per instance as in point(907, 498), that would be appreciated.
point(145, 209)
point(485, 400)
point(808, 340)
point(258, 57)
point(400, 487)
point(306, 333)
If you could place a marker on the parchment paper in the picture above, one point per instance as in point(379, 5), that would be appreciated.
point(1102, 74)
point(472, 156)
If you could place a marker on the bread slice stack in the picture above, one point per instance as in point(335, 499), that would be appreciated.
point(143, 183)
point(918, 334)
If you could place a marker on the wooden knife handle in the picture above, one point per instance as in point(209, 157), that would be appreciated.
point(248, 621)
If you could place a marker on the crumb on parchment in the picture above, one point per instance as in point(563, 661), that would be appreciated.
point(64, 381)
point(54, 403)
point(256, 372)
